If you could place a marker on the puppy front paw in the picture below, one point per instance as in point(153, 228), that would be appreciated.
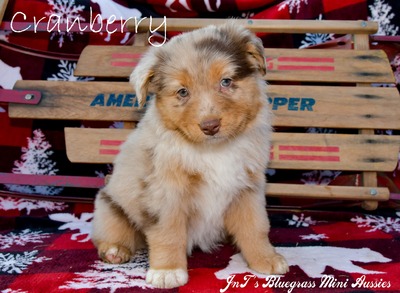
point(113, 253)
point(167, 278)
point(272, 265)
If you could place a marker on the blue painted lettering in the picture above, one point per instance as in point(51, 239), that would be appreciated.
point(128, 101)
point(98, 101)
point(279, 102)
point(115, 101)
point(307, 104)
point(292, 104)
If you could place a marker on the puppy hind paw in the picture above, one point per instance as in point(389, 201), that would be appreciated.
point(114, 254)
point(273, 265)
point(279, 265)
point(167, 278)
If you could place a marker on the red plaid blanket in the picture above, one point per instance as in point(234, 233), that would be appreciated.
point(46, 247)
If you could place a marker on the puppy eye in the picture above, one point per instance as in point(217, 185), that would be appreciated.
point(183, 93)
point(226, 82)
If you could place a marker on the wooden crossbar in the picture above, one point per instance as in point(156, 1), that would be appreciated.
point(289, 151)
point(315, 65)
point(259, 25)
point(328, 192)
point(272, 189)
point(293, 106)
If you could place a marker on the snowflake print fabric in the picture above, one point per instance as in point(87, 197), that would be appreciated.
point(293, 5)
point(36, 160)
point(64, 11)
point(82, 224)
point(9, 204)
point(316, 244)
point(66, 72)
point(315, 39)
point(382, 12)
point(375, 223)
point(301, 221)
point(16, 263)
point(22, 238)
point(113, 277)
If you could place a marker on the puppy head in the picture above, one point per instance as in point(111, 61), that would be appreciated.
point(208, 83)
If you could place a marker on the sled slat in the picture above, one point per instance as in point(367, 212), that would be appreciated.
point(117, 61)
point(289, 151)
point(293, 106)
point(335, 107)
point(318, 65)
point(79, 101)
point(315, 65)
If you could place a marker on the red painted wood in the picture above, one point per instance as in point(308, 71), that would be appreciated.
point(333, 149)
point(47, 180)
point(20, 97)
point(309, 158)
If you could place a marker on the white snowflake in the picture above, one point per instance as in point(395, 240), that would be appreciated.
point(315, 39)
point(313, 237)
point(10, 203)
point(66, 72)
point(82, 224)
point(292, 4)
point(15, 263)
point(35, 161)
point(381, 12)
point(9, 75)
point(378, 223)
point(301, 221)
point(313, 260)
point(8, 290)
point(101, 174)
point(184, 3)
point(22, 238)
point(110, 9)
point(113, 277)
point(319, 177)
point(64, 11)
point(320, 130)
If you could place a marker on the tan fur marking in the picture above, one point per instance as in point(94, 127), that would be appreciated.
point(115, 207)
point(166, 251)
point(246, 212)
point(111, 227)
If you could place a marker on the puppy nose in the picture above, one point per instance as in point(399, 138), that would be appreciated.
point(210, 127)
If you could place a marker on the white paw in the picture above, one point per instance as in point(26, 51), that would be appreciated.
point(167, 278)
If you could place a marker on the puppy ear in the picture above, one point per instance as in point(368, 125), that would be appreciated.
point(255, 49)
point(247, 41)
point(141, 77)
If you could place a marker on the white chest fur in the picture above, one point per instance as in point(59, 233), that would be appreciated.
point(224, 173)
